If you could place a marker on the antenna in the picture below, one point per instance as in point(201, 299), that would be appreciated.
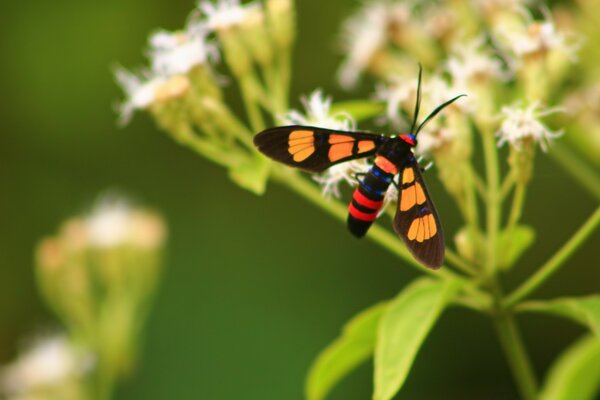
point(418, 102)
point(437, 110)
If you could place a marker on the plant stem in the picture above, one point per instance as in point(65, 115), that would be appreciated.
point(461, 264)
point(586, 176)
point(492, 198)
point(379, 235)
point(556, 261)
point(514, 349)
point(249, 95)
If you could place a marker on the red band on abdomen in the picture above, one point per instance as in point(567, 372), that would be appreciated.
point(361, 215)
point(365, 201)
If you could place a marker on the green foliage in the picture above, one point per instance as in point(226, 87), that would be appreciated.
point(251, 174)
point(512, 244)
point(359, 110)
point(584, 310)
point(576, 373)
point(353, 347)
point(405, 324)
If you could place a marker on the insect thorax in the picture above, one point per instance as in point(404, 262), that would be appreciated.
point(397, 151)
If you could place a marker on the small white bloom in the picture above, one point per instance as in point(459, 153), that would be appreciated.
point(224, 14)
point(331, 178)
point(401, 94)
point(140, 91)
point(538, 37)
point(473, 61)
point(522, 124)
point(48, 362)
point(318, 112)
point(367, 32)
point(432, 138)
point(146, 89)
point(174, 53)
point(108, 223)
point(398, 94)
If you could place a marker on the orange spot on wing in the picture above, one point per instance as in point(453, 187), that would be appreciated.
point(300, 134)
point(339, 151)
point(333, 139)
point(412, 231)
point(420, 193)
point(408, 198)
point(365, 145)
point(300, 140)
point(432, 225)
point(303, 154)
point(421, 231)
point(294, 142)
point(408, 175)
point(386, 165)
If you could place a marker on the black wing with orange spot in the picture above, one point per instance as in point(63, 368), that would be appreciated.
point(416, 219)
point(315, 149)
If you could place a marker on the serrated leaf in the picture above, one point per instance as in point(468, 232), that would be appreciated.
point(512, 244)
point(584, 310)
point(576, 373)
point(405, 324)
point(251, 174)
point(354, 346)
point(359, 110)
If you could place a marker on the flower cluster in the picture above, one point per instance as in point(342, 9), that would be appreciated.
point(49, 367)
point(182, 87)
point(99, 274)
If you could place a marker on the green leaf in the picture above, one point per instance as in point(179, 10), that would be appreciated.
point(584, 310)
point(353, 347)
point(251, 174)
point(403, 328)
point(512, 244)
point(359, 109)
point(576, 373)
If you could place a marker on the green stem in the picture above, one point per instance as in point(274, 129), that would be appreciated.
point(377, 234)
point(493, 205)
point(461, 264)
point(249, 96)
point(340, 211)
point(514, 349)
point(556, 261)
point(583, 173)
point(516, 208)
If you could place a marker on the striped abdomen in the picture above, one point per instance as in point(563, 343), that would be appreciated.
point(368, 196)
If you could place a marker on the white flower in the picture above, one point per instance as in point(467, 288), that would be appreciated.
point(401, 93)
point(398, 94)
point(366, 33)
point(108, 223)
point(347, 172)
point(48, 362)
point(175, 53)
point(318, 112)
point(141, 91)
point(114, 222)
point(538, 37)
point(472, 62)
point(433, 137)
point(521, 125)
point(224, 14)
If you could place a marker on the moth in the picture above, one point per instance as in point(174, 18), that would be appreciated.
point(315, 149)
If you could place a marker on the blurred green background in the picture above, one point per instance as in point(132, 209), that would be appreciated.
point(254, 287)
